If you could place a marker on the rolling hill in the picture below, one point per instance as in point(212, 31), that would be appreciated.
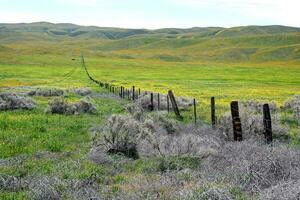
point(213, 44)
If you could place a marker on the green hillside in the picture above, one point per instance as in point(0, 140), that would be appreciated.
point(213, 44)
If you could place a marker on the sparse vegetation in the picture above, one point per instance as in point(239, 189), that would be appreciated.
point(90, 144)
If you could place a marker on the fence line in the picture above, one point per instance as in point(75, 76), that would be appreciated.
point(236, 120)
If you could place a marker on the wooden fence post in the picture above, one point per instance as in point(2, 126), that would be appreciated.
point(121, 91)
point(168, 103)
point(174, 105)
point(236, 121)
point(139, 91)
point(151, 102)
point(267, 124)
point(213, 112)
point(133, 93)
point(128, 94)
point(158, 101)
point(195, 111)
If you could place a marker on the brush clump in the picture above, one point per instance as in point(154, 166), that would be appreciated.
point(46, 92)
point(12, 101)
point(61, 106)
point(81, 91)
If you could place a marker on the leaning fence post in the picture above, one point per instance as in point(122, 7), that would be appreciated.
point(213, 112)
point(267, 123)
point(174, 104)
point(195, 111)
point(168, 103)
point(236, 121)
point(151, 102)
point(133, 93)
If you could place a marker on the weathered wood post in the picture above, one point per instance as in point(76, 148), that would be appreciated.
point(121, 92)
point(151, 102)
point(236, 121)
point(158, 101)
point(195, 111)
point(213, 111)
point(139, 91)
point(168, 103)
point(133, 93)
point(128, 94)
point(267, 124)
point(174, 105)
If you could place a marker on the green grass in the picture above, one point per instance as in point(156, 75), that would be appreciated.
point(235, 64)
point(27, 132)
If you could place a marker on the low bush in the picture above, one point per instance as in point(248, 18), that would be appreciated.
point(61, 106)
point(154, 135)
point(253, 166)
point(45, 188)
point(282, 191)
point(12, 184)
point(11, 101)
point(294, 105)
point(81, 91)
point(120, 134)
point(46, 92)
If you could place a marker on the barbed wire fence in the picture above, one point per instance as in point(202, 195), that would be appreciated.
point(155, 103)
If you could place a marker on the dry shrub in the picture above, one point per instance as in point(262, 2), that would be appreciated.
point(83, 190)
point(154, 135)
point(163, 137)
point(11, 101)
point(253, 166)
point(208, 193)
point(120, 134)
point(81, 91)
point(46, 92)
point(251, 114)
point(294, 105)
point(45, 188)
point(61, 106)
point(258, 106)
point(282, 191)
point(12, 184)
point(164, 186)
point(17, 160)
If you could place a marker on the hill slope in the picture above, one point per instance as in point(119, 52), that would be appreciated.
point(237, 44)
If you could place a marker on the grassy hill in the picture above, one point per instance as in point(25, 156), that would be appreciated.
point(213, 44)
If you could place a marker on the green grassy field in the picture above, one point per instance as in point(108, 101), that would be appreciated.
point(226, 82)
point(242, 64)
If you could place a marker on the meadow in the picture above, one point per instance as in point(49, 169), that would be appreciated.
point(264, 82)
point(50, 147)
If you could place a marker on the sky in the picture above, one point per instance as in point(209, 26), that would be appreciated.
point(153, 14)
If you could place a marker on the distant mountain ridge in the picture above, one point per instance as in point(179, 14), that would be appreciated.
point(72, 30)
point(236, 44)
